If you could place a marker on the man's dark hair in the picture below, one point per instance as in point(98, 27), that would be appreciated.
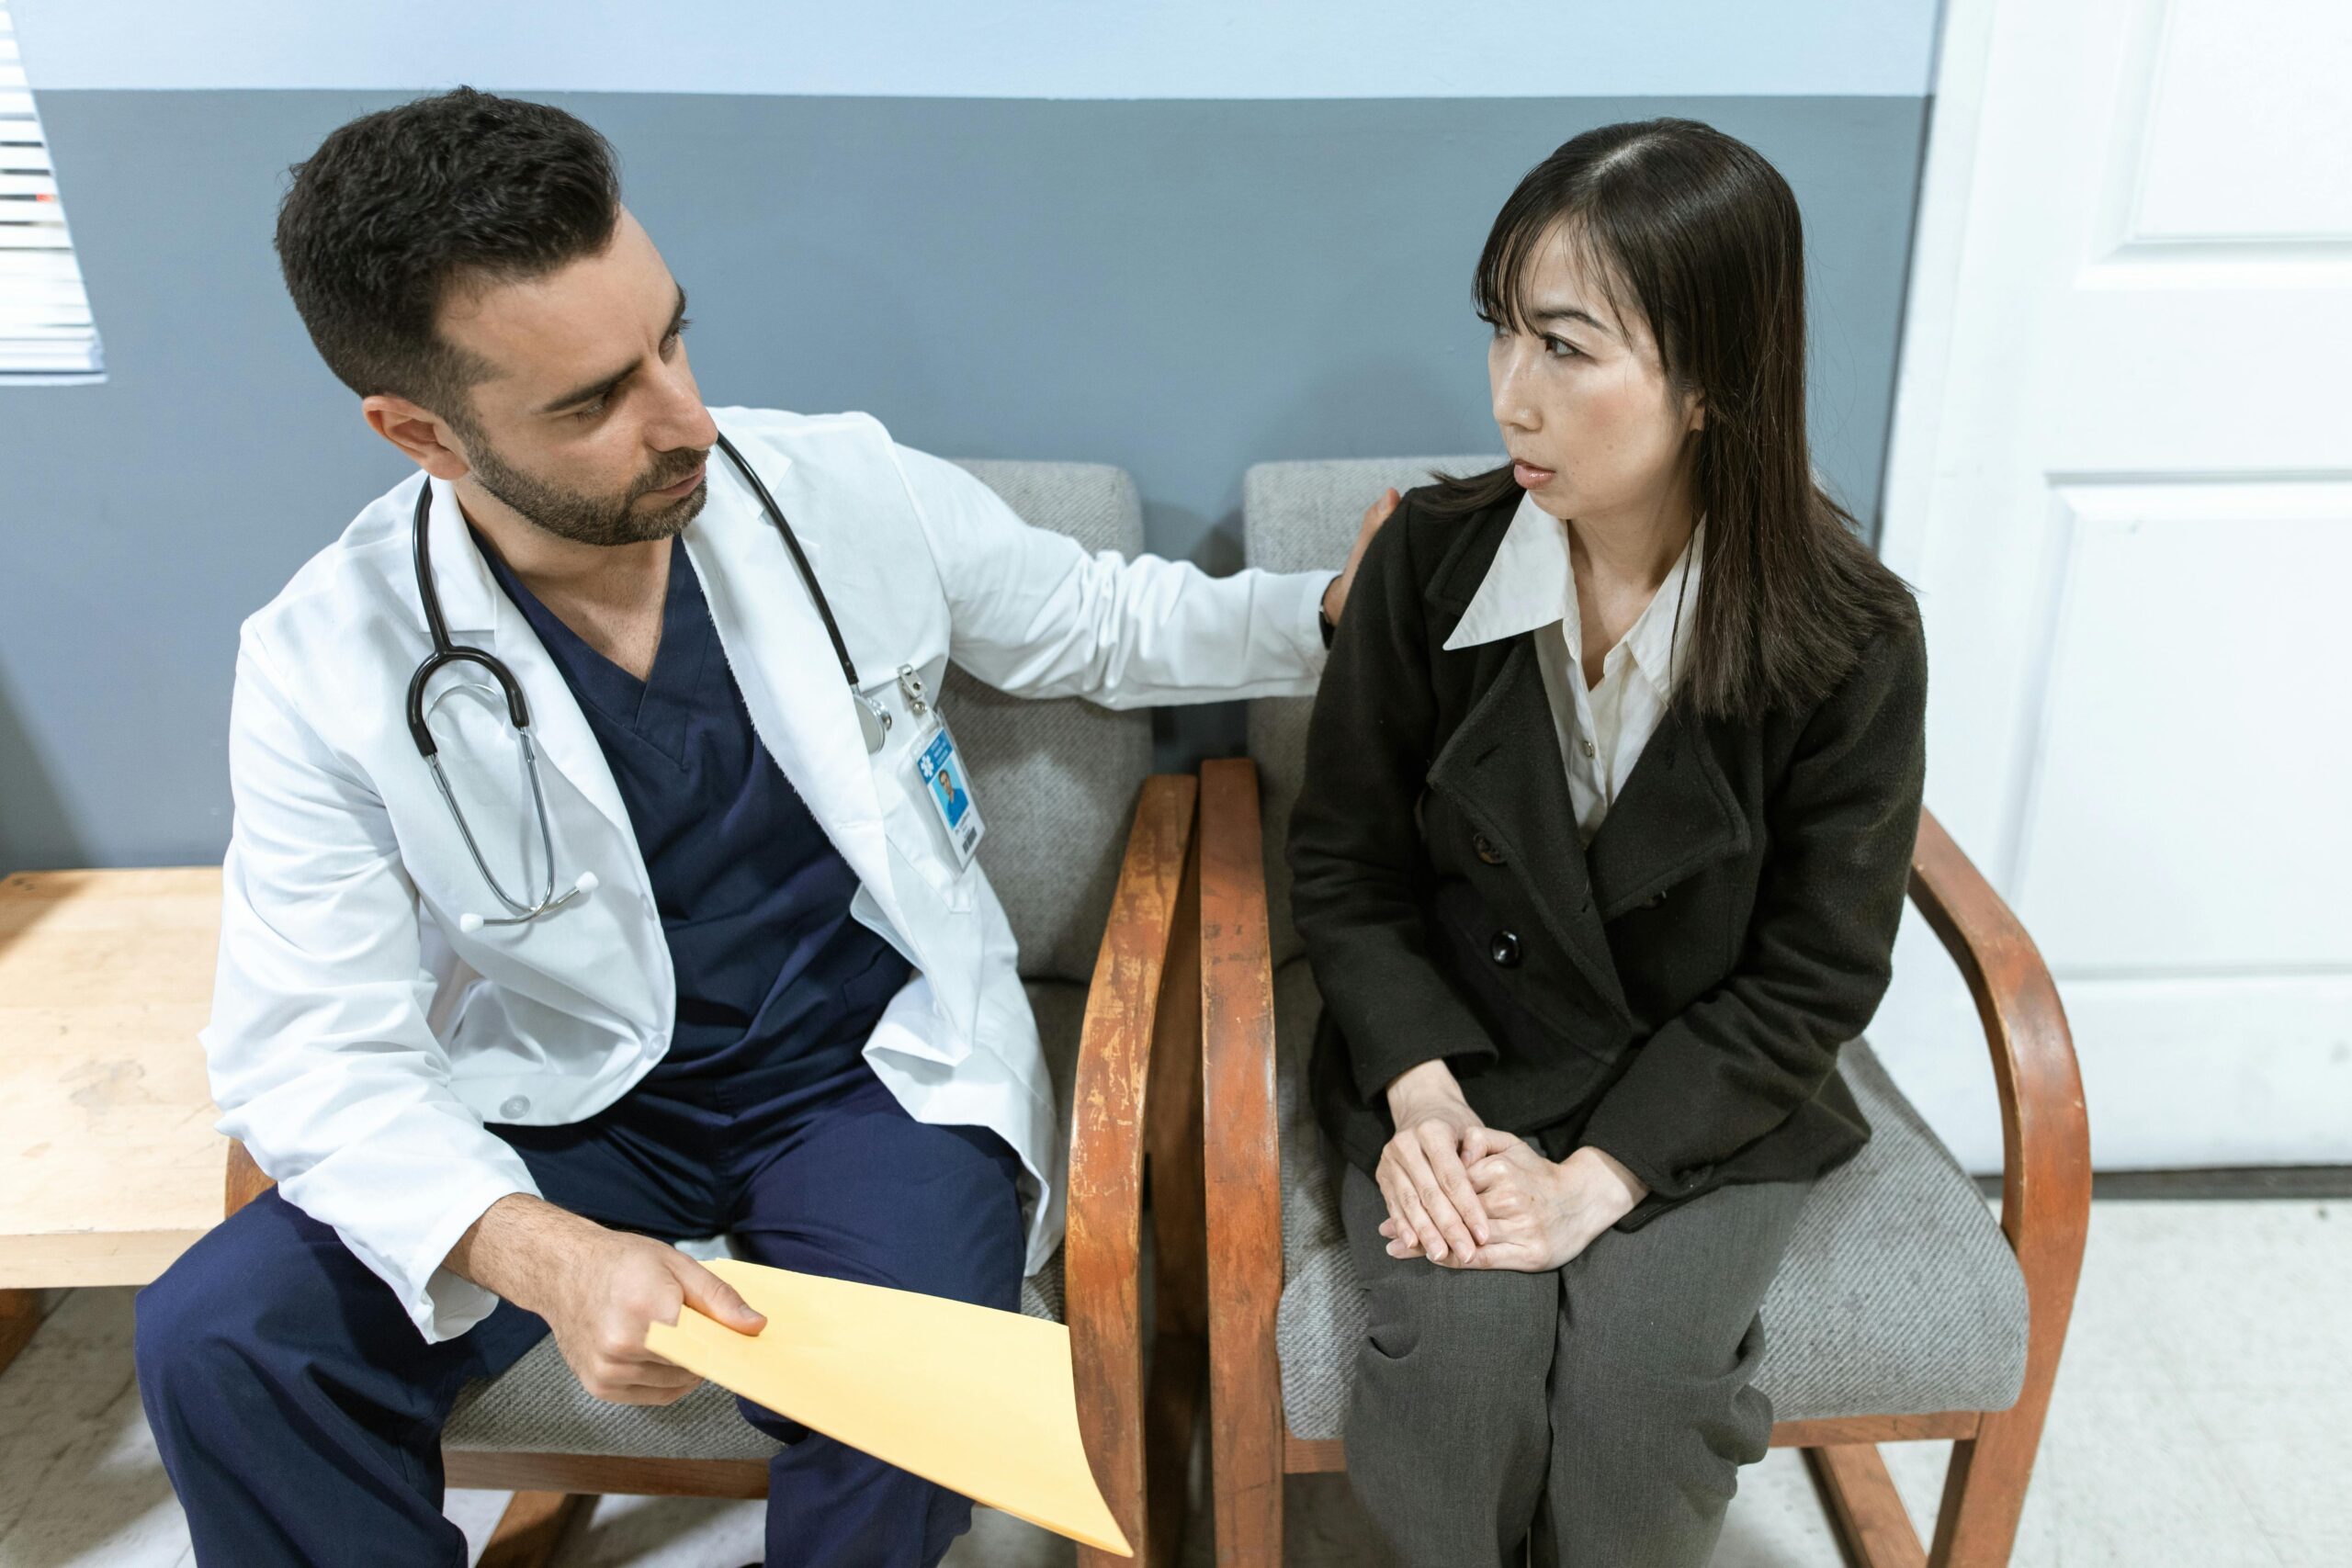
point(397, 208)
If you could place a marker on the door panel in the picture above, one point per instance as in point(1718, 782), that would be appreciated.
point(2122, 482)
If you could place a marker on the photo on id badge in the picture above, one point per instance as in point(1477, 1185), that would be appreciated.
point(951, 794)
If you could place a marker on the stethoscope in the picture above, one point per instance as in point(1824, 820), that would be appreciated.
point(873, 718)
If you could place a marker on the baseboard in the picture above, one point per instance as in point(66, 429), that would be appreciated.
point(2298, 1182)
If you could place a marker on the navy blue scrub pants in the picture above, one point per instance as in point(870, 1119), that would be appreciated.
point(300, 1412)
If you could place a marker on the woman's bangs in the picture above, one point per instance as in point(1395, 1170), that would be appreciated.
point(1498, 289)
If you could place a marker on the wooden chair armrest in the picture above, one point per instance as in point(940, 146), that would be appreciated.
point(1135, 1095)
point(245, 1180)
point(2045, 1179)
point(1242, 1142)
point(2045, 1129)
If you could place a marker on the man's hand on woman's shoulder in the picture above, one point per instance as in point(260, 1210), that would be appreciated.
point(1335, 597)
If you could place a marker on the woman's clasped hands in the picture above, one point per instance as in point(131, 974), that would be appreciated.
point(1465, 1195)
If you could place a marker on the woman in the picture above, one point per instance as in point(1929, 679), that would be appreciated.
point(1612, 789)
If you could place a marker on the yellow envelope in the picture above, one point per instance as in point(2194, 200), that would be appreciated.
point(978, 1400)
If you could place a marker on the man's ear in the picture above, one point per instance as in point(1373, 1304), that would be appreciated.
point(423, 435)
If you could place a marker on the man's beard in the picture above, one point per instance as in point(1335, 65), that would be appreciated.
point(590, 519)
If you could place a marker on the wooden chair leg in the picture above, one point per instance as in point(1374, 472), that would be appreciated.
point(19, 1315)
point(1976, 1524)
point(531, 1526)
point(1985, 1485)
point(1865, 1514)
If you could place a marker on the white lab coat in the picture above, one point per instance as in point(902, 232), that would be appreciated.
point(359, 1038)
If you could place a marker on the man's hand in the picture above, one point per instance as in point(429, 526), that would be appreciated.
point(1432, 1206)
point(598, 1290)
point(1542, 1214)
point(1335, 597)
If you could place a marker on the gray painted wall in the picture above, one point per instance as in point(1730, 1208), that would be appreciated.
point(1016, 49)
point(1181, 288)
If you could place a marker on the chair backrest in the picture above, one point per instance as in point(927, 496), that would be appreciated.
point(1056, 781)
point(1296, 516)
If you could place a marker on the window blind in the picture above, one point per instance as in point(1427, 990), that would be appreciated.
point(45, 332)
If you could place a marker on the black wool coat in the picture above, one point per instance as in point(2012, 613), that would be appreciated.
point(1674, 993)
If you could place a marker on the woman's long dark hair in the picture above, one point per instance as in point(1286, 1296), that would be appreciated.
point(1696, 231)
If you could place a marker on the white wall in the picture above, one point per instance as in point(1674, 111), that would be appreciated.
point(1039, 49)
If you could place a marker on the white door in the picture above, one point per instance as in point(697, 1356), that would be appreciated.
point(2121, 481)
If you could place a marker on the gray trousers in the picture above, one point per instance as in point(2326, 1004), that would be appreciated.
point(1599, 1412)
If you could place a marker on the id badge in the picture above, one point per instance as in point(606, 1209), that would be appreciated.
point(944, 784)
point(939, 770)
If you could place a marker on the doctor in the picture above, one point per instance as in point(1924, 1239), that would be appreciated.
point(586, 892)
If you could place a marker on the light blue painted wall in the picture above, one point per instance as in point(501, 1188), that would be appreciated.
point(1038, 48)
point(1181, 288)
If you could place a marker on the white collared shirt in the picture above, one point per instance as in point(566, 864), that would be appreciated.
point(1531, 587)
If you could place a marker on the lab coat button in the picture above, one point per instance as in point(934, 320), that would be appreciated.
point(514, 1107)
point(1504, 949)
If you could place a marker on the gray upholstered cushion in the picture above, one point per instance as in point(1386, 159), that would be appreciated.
point(1058, 781)
point(1295, 516)
point(1898, 1294)
point(538, 1406)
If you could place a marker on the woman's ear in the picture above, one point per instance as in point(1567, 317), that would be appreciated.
point(1698, 412)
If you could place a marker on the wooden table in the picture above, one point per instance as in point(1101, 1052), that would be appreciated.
point(109, 1167)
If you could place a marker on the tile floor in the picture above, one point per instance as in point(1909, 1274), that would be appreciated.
point(2202, 1420)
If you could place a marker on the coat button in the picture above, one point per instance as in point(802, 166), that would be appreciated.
point(515, 1106)
point(1504, 949)
point(1653, 901)
point(1485, 849)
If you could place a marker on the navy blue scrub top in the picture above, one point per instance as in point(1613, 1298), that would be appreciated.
point(777, 986)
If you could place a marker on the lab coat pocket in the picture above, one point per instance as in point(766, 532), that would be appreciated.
point(920, 840)
point(489, 1040)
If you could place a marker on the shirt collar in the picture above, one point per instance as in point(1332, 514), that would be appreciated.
point(1530, 583)
point(1526, 584)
